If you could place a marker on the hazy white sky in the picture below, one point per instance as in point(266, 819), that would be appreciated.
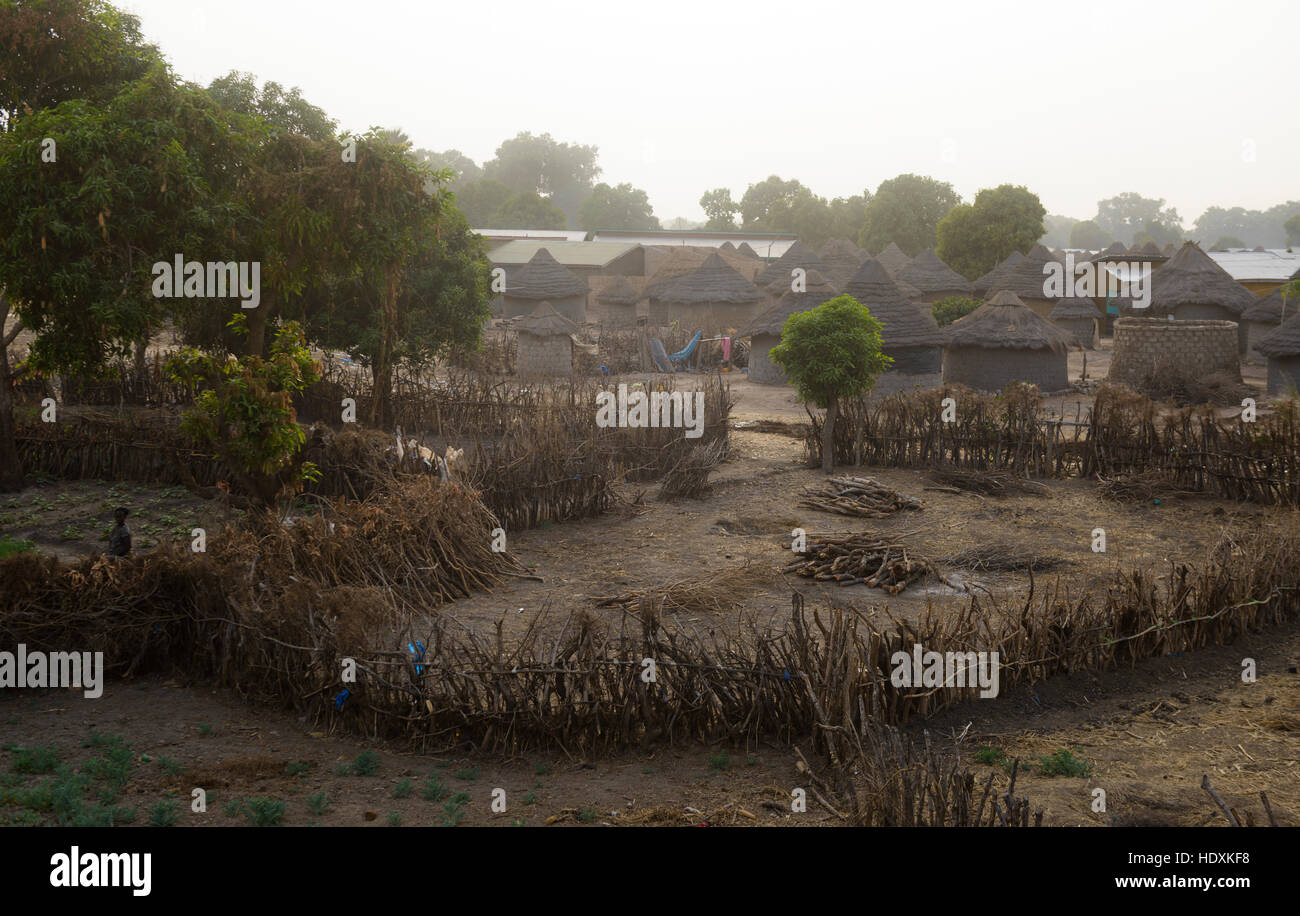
point(1191, 101)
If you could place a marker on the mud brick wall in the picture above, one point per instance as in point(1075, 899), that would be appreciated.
point(761, 367)
point(1144, 345)
point(993, 370)
point(549, 355)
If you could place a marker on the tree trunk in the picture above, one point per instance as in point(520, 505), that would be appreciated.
point(11, 471)
point(828, 435)
point(383, 374)
point(257, 331)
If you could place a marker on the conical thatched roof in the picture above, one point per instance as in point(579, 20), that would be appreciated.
point(1191, 277)
point(714, 281)
point(842, 259)
point(1148, 252)
point(797, 255)
point(772, 320)
point(1168, 251)
point(986, 282)
point(1112, 252)
point(907, 289)
point(1269, 309)
point(543, 277)
point(1006, 323)
point(1075, 307)
point(620, 292)
point(745, 249)
point(929, 274)
point(906, 325)
point(1282, 342)
point(545, 321)
point(684, 259)
point(727, 246)
point(893, 259)
point(1026, 279)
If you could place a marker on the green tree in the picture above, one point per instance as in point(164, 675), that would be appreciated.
point(948, 310)
point(541, 165)
point(1292, 227)
point(975, 238)
point(906, 210)
point(1087, 234)
point(55, 50)
point(466, 169)
point(619, 207)
point(1227, 241)
point(1159, 232)
point(831, 353)
point(1058, 230)
point(245, 412)
point(283, 110)
point(720, 209)
point(766, 205)
point(1128, 216)
point(848, 215)
point(529, 211)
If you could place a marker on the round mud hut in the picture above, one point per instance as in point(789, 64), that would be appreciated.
point(544, 279)
point(711, 298)
point(1281, 347)
point(893, 259)
point(765, 330)
point(935, 279)
point(1081, 318)
point(779, 271)
point(842, 259)
point(1267, 315)
point(1002, 342)
point(1192, 287)
point(545, 345)
point(981, 287)
point(911, 335)
point(618, 303)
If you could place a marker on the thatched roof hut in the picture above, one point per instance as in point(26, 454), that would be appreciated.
point(893, 259)
point(1028, 281)
point(981, 286)
point(1081, 318)
point(545, 347)
point(911, 335)
point(765, 329)
point(1191, 286)
point(748, 251)
point(618, 300)
point(727, 246)
point(842, 259)
point(1002, 342)
point(1281, 346)
point(545, 279)
point(1267, 314)
point(713, 297)
point(1112, 252)
point(935, 279)
point(797, 255)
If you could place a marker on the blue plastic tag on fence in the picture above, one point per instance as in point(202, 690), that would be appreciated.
point(787, 674)
point(419, 655)
point(341, 698)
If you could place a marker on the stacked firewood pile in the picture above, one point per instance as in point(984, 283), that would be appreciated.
point(860, 496)
point(851, 559)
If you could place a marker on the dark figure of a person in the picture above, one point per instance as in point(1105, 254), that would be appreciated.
point(119, 542)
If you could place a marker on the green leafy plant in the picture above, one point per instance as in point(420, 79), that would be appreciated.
point(264, 812)
point(434, 790)
point(10, 546)
point(318, 804)
point(163, 814)
point(297, 768)
point(469, 774)
point(587, 815)
point(1063, 763)
point(831, 353)
point(394, 818)
point(365, 764)
point(402, 789)
point(949, 309)
point(720, 761)
point(33, 759)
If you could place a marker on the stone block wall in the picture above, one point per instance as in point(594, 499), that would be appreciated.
point(1144, 345)
point(549, 355)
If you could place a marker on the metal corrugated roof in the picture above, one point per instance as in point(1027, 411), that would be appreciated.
point(570, 254)
point(1245, 266)
point(766, 244)
point(566, 235)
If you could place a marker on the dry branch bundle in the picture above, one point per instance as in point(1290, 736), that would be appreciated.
point(859, 496)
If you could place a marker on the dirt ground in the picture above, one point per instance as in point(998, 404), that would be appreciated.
point(1145, 735)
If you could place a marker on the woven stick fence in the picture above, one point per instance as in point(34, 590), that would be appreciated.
point(1123, 433)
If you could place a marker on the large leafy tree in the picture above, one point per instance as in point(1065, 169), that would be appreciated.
point(766, 205)
point(55, 50)
point(831, 353)
point(489, 204)
point(906, 210)
point(1128, 216)
point(1292, 227)
point(617, 207)
point(1252, 227)
point(1087, 234)
point(562, 172)
point(284, 110)
point(975, 238)
point(719, 209)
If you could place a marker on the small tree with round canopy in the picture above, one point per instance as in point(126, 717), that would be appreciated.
point(831, 353)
